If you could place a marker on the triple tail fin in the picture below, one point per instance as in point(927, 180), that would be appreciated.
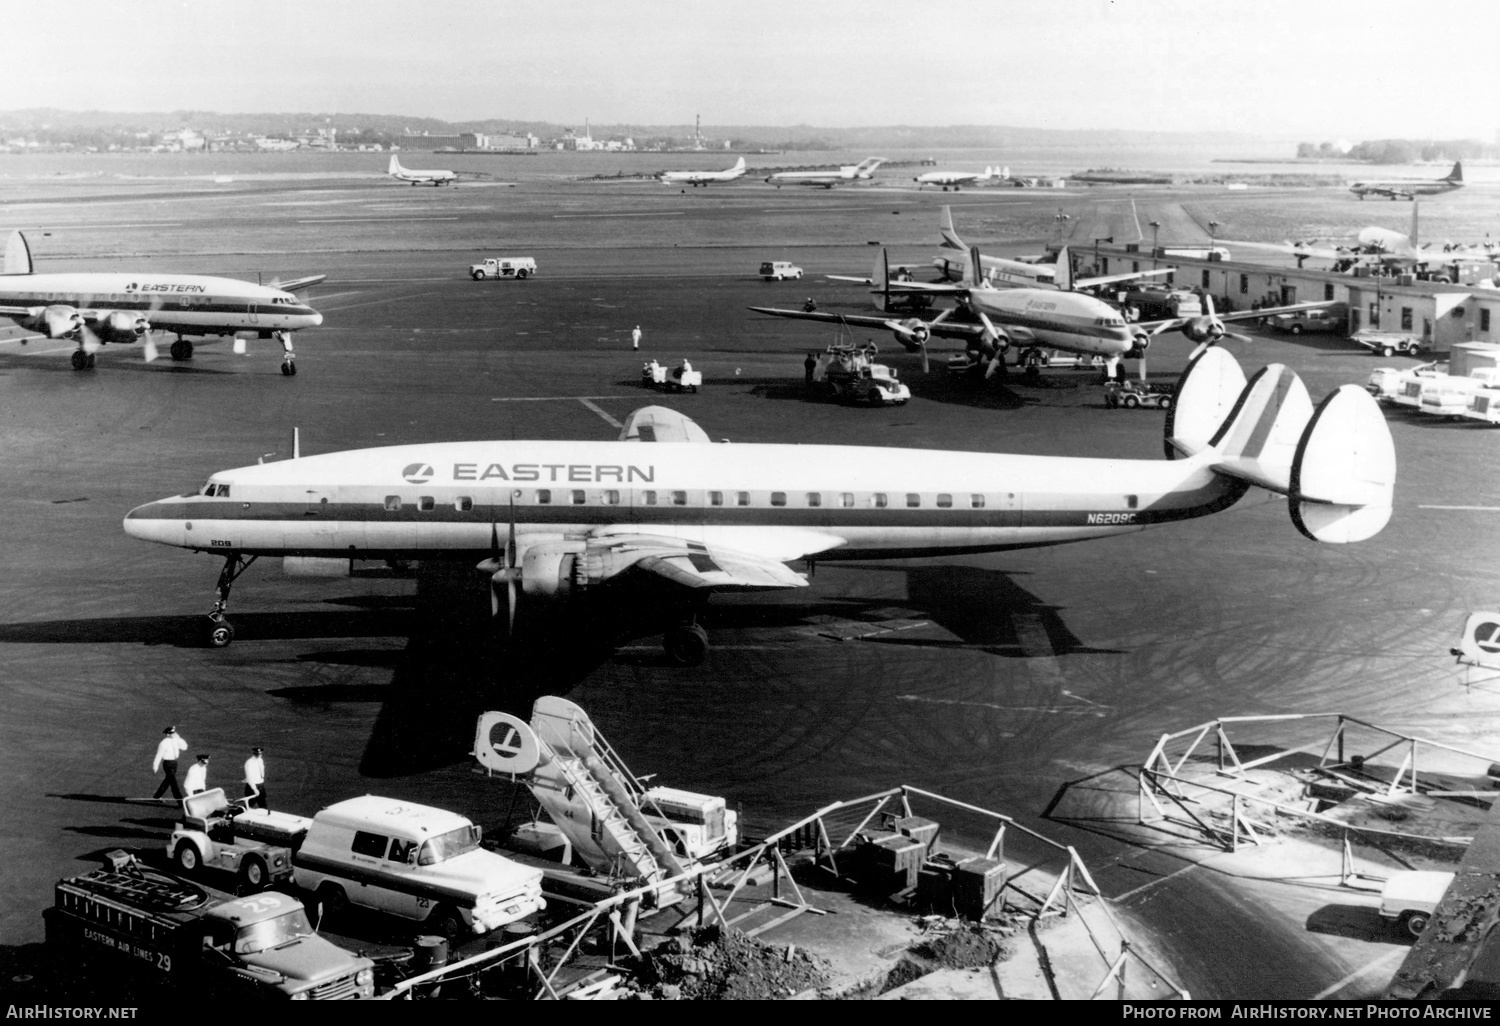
point(395, 167)
point(1335, 462)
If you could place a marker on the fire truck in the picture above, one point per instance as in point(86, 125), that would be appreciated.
point(189, 935)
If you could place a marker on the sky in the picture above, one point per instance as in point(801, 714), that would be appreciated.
point(1314, 69)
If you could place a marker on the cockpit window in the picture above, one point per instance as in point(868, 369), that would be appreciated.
point(214, 488)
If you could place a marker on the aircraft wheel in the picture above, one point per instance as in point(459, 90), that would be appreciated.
point(219, 632)
point(288, 368)
point(80, 360)
point(686, 645)
point(253, 875)
point(186, 856)
point(1131, 402)
point(1033, 370)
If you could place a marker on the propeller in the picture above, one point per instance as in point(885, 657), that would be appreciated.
point(997, 357)
point(148, 340)
point(501, 566)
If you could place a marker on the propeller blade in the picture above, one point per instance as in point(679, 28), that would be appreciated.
point(925, 368)
point(510, 541)
point(149, 349)
point(91, 343)
point(1238, 337)
point(510, 597)
point(240, 346)
point(995, 364)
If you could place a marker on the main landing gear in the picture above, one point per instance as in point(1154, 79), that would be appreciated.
point(289, 364)
point(686, 644)
point(181, 350)
point(217, 631)
point(82, 360)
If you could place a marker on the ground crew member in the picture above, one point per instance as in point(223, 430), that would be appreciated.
point(255, 780)
point(635, 338)
point(809, 365)
point(809, 306)
point(171, 746)
point(196, 780)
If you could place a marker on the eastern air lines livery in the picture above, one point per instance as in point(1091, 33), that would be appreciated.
point(94, 309)
point(551, 521)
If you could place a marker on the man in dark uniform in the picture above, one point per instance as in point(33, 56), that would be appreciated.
point(809, 365)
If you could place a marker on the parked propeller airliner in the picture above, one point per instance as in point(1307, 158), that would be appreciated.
point(1411, 188)
point(697, 178)
point(956, 179)
point(992, 320)
point(415, 177)
point(862, 171)
point(96, 308)
point(550, 521)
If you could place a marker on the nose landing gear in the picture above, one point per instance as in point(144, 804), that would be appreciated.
point(686, 644)
point(289, 363)
point(218, 632)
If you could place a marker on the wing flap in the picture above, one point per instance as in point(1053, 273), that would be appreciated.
point(691, 564)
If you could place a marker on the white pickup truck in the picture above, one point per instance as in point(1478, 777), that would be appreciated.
point(503, 267)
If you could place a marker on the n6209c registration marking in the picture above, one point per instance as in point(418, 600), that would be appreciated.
point(1111, 518)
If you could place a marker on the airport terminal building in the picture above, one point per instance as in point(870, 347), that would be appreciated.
point(1441, 314)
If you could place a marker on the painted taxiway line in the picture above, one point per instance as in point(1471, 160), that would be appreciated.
point(1482, 509)
point(554, 398)
point(644, 213)
point(131, 224)
point(1377, 966)
point(607, 418)
point(347, 220)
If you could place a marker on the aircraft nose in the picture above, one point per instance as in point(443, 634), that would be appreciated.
point(154, 522)
point(317, 318)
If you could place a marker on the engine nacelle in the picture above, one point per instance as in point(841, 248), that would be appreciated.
point(57, 321)
point(551, 569)
point(911, 333)
point(1204, 329)
point(121, 326)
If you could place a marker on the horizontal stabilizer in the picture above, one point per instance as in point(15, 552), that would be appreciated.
point(1344, 470)
point(659, 424)
point(17, 255)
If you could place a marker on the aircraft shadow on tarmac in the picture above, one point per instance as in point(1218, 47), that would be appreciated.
point(59, 363)
point(185, 631)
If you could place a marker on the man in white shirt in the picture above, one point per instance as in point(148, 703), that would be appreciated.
point(255, 780)
point(196, 780)
point(172, 745)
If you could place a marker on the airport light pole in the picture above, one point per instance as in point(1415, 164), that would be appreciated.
point(1059, 218)
point(1155, 229)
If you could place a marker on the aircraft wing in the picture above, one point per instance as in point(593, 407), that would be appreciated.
point(1172, 323)
point(1084, 283)
point(299, 283)
point(695, 565)
point(941, 330)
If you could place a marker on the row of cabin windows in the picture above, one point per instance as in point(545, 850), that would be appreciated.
point(611, 497)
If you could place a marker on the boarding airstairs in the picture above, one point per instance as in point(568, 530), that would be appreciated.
point(584, 786)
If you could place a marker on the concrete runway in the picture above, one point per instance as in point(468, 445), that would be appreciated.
point(1034, 668)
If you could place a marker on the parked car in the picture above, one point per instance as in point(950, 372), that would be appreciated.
point(1328, 319)
point(776, 270)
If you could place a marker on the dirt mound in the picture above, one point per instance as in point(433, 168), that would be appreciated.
point(727, 965)
point(967, 947)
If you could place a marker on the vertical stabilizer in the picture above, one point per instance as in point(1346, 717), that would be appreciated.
point(880, 277)
point(1457, 174)
point(974, 269)
point(1062, 273)
point(395, 167)
point(945, 229)
point(17, 255)
point(1415, 242)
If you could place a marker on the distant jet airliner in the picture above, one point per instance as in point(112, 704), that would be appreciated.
point(406, 174)
point(697, 178)
point(1410, 188)
point(865, 169)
